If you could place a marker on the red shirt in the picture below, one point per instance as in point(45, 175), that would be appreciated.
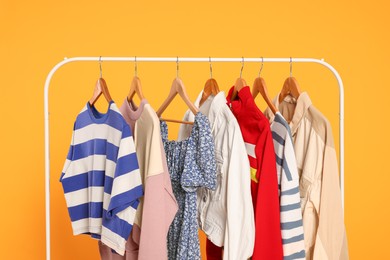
point(257, 135)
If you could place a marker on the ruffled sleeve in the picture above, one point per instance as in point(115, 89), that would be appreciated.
point(199, 165)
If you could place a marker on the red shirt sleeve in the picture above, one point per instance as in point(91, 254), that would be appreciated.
point(268, 241)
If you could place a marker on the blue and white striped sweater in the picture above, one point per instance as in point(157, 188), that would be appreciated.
point(288, 179)
point(101, 178)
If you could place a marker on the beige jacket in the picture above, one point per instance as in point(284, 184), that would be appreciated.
point(323, 219)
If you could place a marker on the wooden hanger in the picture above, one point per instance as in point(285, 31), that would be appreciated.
point(240, 83)
point(290, 87)
point(135, 88)
point(210, 88)
point(100, 88)
point(177, 88)
point(259, 86)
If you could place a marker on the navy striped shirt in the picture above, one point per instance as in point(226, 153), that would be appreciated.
point(101, 178)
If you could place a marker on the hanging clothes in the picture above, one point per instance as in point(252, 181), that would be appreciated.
point(191, 164)
point(226, 214)
point(323, 222)
point(288, 180)
point(257, 135)
point(158, 206)
point(100, 178)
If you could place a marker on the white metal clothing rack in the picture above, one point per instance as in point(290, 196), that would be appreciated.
point(178, 59)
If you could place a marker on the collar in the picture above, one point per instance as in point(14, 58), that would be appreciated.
point(217, 103)
point(133, 113)
point(302, 104)
point(98, 117)
point(242, 96)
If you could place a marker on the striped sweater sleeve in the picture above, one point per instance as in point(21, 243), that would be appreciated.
point(290, 207)
point(69, 156)
point(123, 194)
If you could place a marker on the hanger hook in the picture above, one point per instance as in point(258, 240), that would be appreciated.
point(135, 66)
point(262, 65)
point(177, 66)
point(100, 66)
point(290, 67)
point(242, 66)
point(211, 68)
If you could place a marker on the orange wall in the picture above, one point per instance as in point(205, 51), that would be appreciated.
point(35, 35)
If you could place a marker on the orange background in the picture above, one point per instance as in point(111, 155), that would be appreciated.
point(35, 35)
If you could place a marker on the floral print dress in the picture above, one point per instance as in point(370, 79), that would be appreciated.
point(191, 165)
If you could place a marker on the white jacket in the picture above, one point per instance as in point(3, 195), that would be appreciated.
point(226, 214)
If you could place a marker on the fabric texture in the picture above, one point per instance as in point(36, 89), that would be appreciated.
point(323, 219)
point(226, 214)
point(191, 164)
point(158, 206)
point(288, 180)
point(257, 135)
point(101, 178)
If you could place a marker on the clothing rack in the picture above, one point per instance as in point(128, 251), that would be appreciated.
point(177, 60)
